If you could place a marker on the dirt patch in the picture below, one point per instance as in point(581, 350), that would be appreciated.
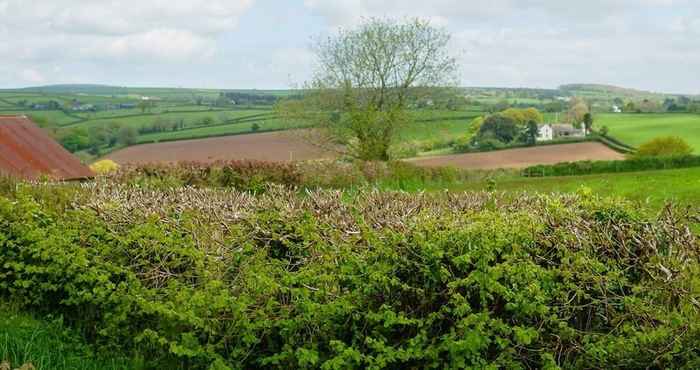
point(273, 146)
point(524, 157)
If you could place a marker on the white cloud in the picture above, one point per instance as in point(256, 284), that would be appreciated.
point(149, 29)
point(639, 43)
point(343, 12)
point(32, 76)
point(163, 44)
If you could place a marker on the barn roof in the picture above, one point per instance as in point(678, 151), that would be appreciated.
point(26, 151)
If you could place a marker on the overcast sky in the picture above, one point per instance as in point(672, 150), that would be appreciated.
point(647, 44)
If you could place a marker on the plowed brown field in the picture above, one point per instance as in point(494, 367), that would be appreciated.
point(281, 146)
point(523, 157)
point(273, 146)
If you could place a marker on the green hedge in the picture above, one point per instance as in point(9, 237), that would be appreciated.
point(203, 279)
point(598, 167)
point(615, 144)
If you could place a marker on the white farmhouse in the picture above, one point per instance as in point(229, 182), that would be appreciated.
point(546, 133)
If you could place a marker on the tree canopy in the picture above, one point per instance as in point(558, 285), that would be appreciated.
point(365, 79)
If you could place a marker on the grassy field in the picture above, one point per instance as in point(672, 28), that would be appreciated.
point(635, 129)
point(264, 124)
point(190, 118)
point(652, 189)
point(48, 345)
point(58, 117)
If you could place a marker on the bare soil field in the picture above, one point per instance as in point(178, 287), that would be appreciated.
point(523, 157)
point(273, 146)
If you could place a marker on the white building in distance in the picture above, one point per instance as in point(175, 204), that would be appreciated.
point(545, 133)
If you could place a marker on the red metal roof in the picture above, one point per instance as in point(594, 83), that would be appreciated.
point(28, 152)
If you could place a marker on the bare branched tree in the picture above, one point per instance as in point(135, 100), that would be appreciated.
point(366, 80)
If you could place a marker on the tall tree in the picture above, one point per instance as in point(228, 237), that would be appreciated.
point(365, 80)
point(500, 127)
point(577, 110)
point(532, 132)
point(127, 135)
point(588, 122)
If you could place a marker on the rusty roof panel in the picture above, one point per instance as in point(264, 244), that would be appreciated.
point(28, 152)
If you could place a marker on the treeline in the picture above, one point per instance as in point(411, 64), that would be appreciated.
point(96, 138)
point(240, 98)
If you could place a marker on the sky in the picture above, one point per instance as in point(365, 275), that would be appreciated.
point(265, 44)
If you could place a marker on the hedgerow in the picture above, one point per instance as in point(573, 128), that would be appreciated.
point(201, 278)
point(598, 167)
point(254, 176)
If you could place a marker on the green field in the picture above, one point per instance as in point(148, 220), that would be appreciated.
point(636, 129)
point(58, 117)
point(264, 124)
point(653, 189)
point(190, 118)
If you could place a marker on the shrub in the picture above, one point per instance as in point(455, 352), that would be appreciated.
point(664, 147)
point(490, 143)
point(198, 278)
point(104, 167)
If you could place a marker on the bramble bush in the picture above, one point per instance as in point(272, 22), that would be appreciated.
point(256, 175)
point(201, 278)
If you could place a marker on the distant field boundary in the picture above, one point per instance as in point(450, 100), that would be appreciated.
point(169, 140)
point(233, 122)
point(126, 116)
point(615, 144)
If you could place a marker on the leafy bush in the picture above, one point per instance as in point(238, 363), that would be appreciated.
point(490, 143)
point(104, 167)
point(597, 167)
point(200, 278)
point(664, 147)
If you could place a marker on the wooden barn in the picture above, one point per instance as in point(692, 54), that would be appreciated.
point(29, 153)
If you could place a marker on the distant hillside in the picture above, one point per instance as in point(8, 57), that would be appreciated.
point(601, 89)
point(78, 89)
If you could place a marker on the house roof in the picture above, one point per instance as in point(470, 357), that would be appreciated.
point(26, 151)
point(564, 128)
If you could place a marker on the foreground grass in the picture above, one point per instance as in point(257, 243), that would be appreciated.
point(652, 188)
point(48, 345)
